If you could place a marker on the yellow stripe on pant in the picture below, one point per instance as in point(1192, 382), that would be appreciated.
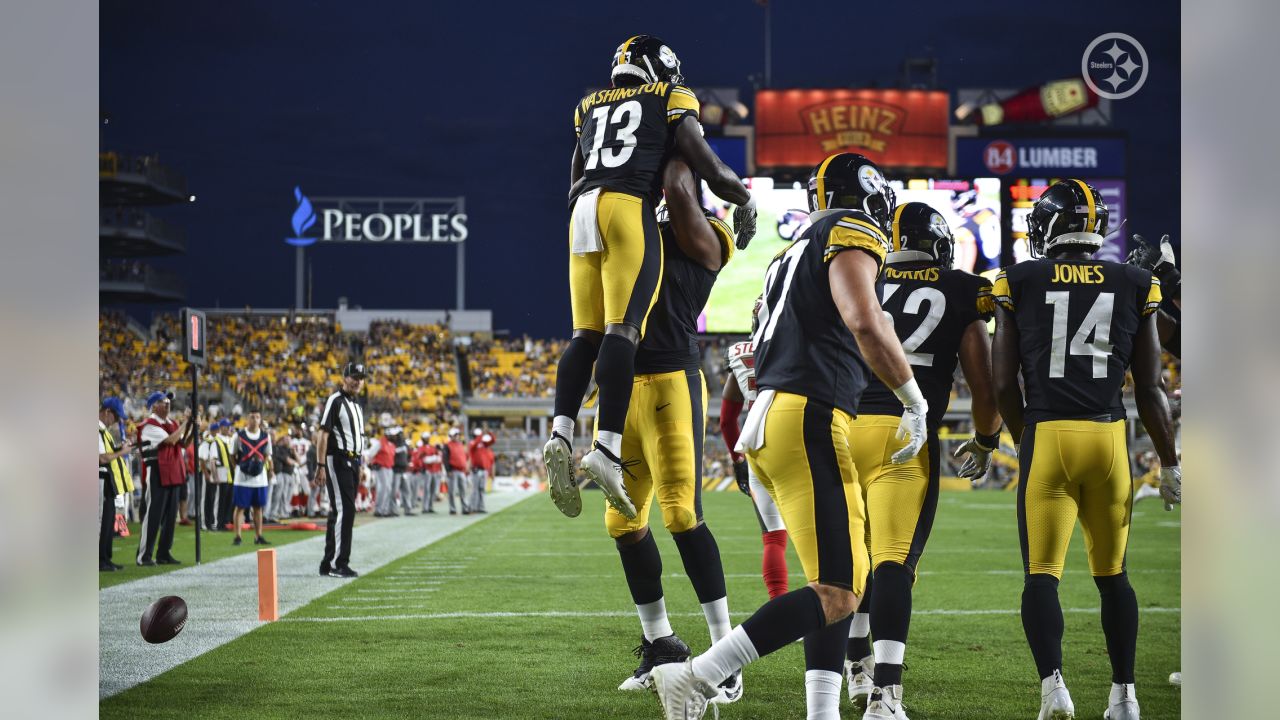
point(619, 284)
point(901, 500)
point(806, 466)
point(666, 423)
point(1070, 469)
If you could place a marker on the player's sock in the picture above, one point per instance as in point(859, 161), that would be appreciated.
point(777, 623)
point(734, 652)
point(1119, 624)
point(774, 563)
point(642, 564)
point(615, 371)
point(573, 375)
point(823, 659)
point(563, 426)
point(1042, 622)
point(610, 441)
point(701, 558)
point(890, 620)
point(859, 645)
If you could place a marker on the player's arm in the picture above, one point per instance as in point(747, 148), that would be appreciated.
point(730, 408)
point(322, 449)
point(693, 233)
point(1153, 408)
point(975, 362)
point(853, 288)
point(693, 147)
point(1005, 363)
point(1170, 331)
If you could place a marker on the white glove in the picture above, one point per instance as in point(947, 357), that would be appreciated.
point(1171, 486)
point(979, 461)
point(744, 223)
point(120, 502)
point(913, 427)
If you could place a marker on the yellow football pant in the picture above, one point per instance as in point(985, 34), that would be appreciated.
point(620, 284)
point(806, 467)
point(666, 423)
point(901, 500)
point(1070, 469)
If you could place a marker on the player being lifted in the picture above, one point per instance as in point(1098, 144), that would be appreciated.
point(664, 432)
point(1072, 325)
point(740, 389)
point(625, 134)
point(940, 315)
point(821, 335)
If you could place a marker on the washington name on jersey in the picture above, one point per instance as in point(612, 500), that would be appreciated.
point(802, 344)
point(930, 309)
point(1076, 321)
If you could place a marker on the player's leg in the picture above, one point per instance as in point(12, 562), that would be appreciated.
point(344, 498)
point(168, 518)
point(773, 535)
point(631, 270)
point(331, 536)
point(1106, 510)
point(867, 442)
point(806, 464)
point(1047, 510)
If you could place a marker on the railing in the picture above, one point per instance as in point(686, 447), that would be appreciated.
point(160, 282)
point(130, 220)
point(113, 165)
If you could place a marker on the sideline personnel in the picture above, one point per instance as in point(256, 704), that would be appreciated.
point(339, 442)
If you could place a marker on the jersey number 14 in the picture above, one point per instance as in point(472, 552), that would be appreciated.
point(1097, 322)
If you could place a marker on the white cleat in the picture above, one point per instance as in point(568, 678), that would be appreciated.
point(1176, 678)
point(558, 457)
point(683, 696)
point(729, 691)
point(1055, 701)
point(1123, 704)
point(606, 473)
point(886, 704)
point(859, 676)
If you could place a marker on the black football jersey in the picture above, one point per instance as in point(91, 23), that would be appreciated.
point(1076, 322)
point(624, 135)
point(930, 309)
point(802, 344)
point(671, 334)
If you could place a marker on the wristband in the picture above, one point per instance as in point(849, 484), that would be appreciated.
point(987, 441)
point(909, 393)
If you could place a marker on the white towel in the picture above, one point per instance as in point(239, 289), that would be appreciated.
point(584, 228)
point(753, 429)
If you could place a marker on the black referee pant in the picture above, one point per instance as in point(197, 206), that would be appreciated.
point(161, 505)
point(107, 530)
point(343, 475)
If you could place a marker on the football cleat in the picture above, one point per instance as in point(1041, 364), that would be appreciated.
point(557, 455)
point(605, 471)
point(682, 694)
point(1055, 701)
point(886, 704)
point(1176, 678)
point(669, 649)
point(859, 675)
point(1123, 704)
point(729, 691)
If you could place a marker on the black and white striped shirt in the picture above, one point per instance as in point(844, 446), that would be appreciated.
point(343, 419)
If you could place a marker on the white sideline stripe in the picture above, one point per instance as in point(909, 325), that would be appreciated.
point(620, 614)
point(222, 596)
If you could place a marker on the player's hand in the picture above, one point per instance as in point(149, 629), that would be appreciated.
point(1159, 259)
point(1171, 486)
point(744, 224)
point(979, 461)
point(742, 476)
point(912, 428)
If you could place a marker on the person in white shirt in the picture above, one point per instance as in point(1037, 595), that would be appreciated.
point(253, 472)
point(215, 457)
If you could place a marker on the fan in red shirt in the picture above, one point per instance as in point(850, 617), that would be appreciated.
point(458, 459)
point(425, 463)
point(481, 467)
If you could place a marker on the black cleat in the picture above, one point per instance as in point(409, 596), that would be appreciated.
point(343, 572)
point(669, 649)
point(168, 561)
point(261, 541)
point(106, 567)
point(237, 541)
point(146, 562)
point(325, 570)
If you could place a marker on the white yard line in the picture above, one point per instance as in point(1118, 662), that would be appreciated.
point(222, 596)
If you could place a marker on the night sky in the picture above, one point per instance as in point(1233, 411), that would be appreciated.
point(248, 100)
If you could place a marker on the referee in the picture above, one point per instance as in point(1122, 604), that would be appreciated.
point(339, 441)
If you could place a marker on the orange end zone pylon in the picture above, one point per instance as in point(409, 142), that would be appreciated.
point(268, 599)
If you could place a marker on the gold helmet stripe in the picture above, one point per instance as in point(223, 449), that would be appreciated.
point(822, 181)
point(622, 52)
point(1093, 207)
point(897, 216)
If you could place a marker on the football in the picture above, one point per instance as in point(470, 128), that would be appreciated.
point(164, 619)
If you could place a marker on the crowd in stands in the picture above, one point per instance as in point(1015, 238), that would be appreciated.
point(514, 367)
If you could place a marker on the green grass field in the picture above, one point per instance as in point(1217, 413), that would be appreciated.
point(526, 615)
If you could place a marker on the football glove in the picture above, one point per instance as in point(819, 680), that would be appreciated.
point(979, 461)
point(1158, 259)
point(744, 224)
point(1171, 486)
point(740, 474)
point(913, 427)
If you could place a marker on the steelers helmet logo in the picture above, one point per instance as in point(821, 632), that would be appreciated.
point(937, 225)
point(668, 57)
point(871, 179)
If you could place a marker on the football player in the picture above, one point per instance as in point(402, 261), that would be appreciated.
point(740, 389)
point(821, 334)
point(664, 431)
point(1071, 325)
point(940, 315)
point(624, 134)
